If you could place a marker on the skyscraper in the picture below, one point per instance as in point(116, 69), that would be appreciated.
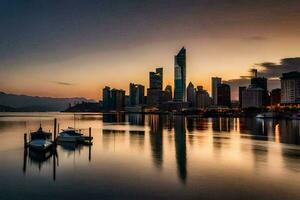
point(106, 98)
point(136, 94)
point(252, 97)
point(156, 79)
point(202, 98)
point(290, 88)
point(261, 82)
point(154, 93)
point(117, 99)
point(180, 76)
point(215, 81)
point(191, 96)
point(241, 89)
point(168, 91)
point(223, 95)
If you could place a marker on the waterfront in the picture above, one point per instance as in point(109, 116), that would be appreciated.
point(153, 156)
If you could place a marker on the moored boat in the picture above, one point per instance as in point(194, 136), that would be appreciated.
point(72, 135)
point(40, 140)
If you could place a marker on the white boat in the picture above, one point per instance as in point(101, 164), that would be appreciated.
point(40, 140)
point(267, 115)
point(70, 135)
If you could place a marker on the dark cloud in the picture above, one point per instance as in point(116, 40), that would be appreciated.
point(273, 70)
point(63, 83)
point(270, 70)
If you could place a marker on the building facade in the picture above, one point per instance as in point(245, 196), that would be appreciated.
point(202, 98)
point(275, 96)
point(136, 94)
point(261, 82)
point(252, 97)
point(290, 88)
point(215, 81)
point(180, 76)
point(223, 95)
point(156, 79)
point(191, 95)
point(117, 100)
point(241, 90)
point(106, 98)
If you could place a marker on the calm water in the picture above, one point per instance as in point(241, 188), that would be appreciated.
point(151, 156)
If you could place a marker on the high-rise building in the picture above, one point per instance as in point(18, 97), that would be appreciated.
point(155, 92)
point(241, 89)
point(156, 79)
point(275, 95)
point(202, 98)
point(191, 96)
point(261, 82)
point(180, 76)
point(215, 81)
point(136, 94)
point(106, 98)
point(290, 88)
point(132, 94)
point(168, 91)
point(117, 99)
point(252, 97)
point(223, 95)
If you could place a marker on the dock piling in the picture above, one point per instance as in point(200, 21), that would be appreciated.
point(55, 129)
point(90, 134)
point(25, 140)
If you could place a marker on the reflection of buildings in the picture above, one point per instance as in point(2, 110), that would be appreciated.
point(136, 119)
point(180, 146)
point(252, 126)
point(221, 124)
point(136, 139)
point(198, 123)
point(114, 118)
point(289, 131)
point(156, 139)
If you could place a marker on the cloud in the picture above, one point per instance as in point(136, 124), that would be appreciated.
point(63, 83)
point(273, 70)
point(256, 38)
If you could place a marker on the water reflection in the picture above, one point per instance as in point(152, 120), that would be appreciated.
point(156, 139)
point(180, 146)
point(51, 157)
point(169, 153)
point(39, 159)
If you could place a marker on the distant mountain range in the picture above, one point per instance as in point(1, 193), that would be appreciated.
point(24, 103)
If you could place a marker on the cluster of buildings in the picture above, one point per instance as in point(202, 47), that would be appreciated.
point(256, 95)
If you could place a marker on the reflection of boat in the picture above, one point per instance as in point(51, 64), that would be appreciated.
point(40, 140)
point(295, 116)
point(267, 115)
point(40, 157)
point(72, 135)
point(70, 146)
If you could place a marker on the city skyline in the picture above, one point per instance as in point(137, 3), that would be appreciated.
point(76, 50)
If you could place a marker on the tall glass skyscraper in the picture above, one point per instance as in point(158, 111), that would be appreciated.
point(180, 76)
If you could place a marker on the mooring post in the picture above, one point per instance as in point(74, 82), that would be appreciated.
point(90, 134)
point(25, 140)
point(55, 124)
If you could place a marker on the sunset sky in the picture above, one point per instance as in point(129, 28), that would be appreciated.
point(75, 48)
